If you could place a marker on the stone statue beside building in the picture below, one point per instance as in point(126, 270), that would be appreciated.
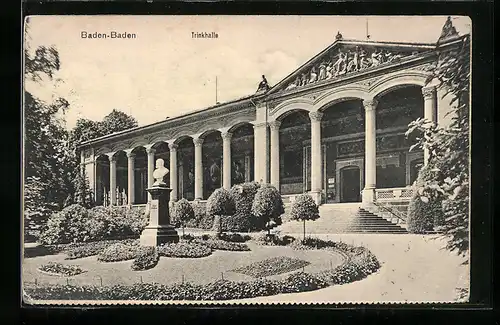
point(160, 172)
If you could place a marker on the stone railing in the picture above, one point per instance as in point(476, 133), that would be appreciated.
point(393, 194)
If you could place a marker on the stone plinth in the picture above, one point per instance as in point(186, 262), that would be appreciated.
point(159, 230)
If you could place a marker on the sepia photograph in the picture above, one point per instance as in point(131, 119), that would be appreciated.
point(246, 159)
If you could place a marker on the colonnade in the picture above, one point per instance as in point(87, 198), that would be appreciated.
point(263, 158)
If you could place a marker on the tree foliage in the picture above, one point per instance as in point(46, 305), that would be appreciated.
point(304, 208)
point(268, 207)
point(448, 146)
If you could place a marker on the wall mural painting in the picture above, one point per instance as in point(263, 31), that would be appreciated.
point(384, 142)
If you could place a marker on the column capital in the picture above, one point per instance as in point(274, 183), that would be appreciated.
point(226, 135)
point(259, 125)
point(370, 104)
point(198, 141)
point(315, 116)
point(150, 149)
point(111, 156)
point(129, 153)
point(274, 125)
point(172, 146)
point(429, 92)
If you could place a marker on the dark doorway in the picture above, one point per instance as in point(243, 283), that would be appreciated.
point(350, 190)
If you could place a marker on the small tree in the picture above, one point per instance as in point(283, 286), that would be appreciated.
point(220, 204)
point(183, 212)
point(304, 208)
point(268, 207)
point(83, 193)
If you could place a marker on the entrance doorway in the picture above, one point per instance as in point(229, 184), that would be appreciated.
point(349, 182)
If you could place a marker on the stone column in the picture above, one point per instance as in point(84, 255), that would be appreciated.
point(430, 111)
point(370, 151)
point(226, 160)
point(198, 168)
point(150, 151)
point(131, 177)
point(173, 171)
point(275, 153)
point(316, 155)
point(260, 152)
point(112, 179)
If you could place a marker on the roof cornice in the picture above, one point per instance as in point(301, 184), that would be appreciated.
point(211, 111)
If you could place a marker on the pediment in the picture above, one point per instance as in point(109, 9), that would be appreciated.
point(344, 58)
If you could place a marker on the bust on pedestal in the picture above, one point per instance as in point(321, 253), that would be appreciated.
point(159, 230)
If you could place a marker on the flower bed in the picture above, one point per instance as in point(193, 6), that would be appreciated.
point(234, 237)
point(54, 268)
point(273, 240)
point(218, 290)
point(92, 248)
point(184, 249)
point(222, 245)
point(147, 257)
point(359, 263)
point(119, 252)
point(272, 266)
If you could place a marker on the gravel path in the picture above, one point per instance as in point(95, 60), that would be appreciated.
point(415, 268)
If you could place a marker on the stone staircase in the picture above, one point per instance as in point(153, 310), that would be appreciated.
point(343, 218)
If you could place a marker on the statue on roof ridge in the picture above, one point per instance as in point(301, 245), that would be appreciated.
point(338, 36)
point(448, 31)
point(263, 85)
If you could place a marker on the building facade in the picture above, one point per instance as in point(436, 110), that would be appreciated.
point(334, 128)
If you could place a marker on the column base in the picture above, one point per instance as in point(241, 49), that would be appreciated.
point(156, 235)
point(368, 196)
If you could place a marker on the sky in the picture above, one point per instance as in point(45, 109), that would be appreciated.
point(164, 72)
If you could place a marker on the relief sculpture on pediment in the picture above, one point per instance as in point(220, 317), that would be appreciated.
point(343, 62)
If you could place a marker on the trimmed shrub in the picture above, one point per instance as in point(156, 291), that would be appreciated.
point(304, 208)
point(243, 219)
point(118, 252)
point(425, 210)
point(182, 212)
point(220, 204)
point(184, 249)
point(147, 257)
point(68, 225)
point(76, 224)
point(268, 207)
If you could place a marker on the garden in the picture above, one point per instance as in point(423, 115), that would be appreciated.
point(94, 254)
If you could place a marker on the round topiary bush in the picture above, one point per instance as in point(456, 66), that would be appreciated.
point(425, 210)
point(220, 205)
point(243, 219)
point(304, 208)
point(182, 212)
point(268, 207)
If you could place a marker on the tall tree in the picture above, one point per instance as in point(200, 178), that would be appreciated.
point(45, 140)
point(449, 146)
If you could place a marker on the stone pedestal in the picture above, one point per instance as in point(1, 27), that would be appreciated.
point(159, 230)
